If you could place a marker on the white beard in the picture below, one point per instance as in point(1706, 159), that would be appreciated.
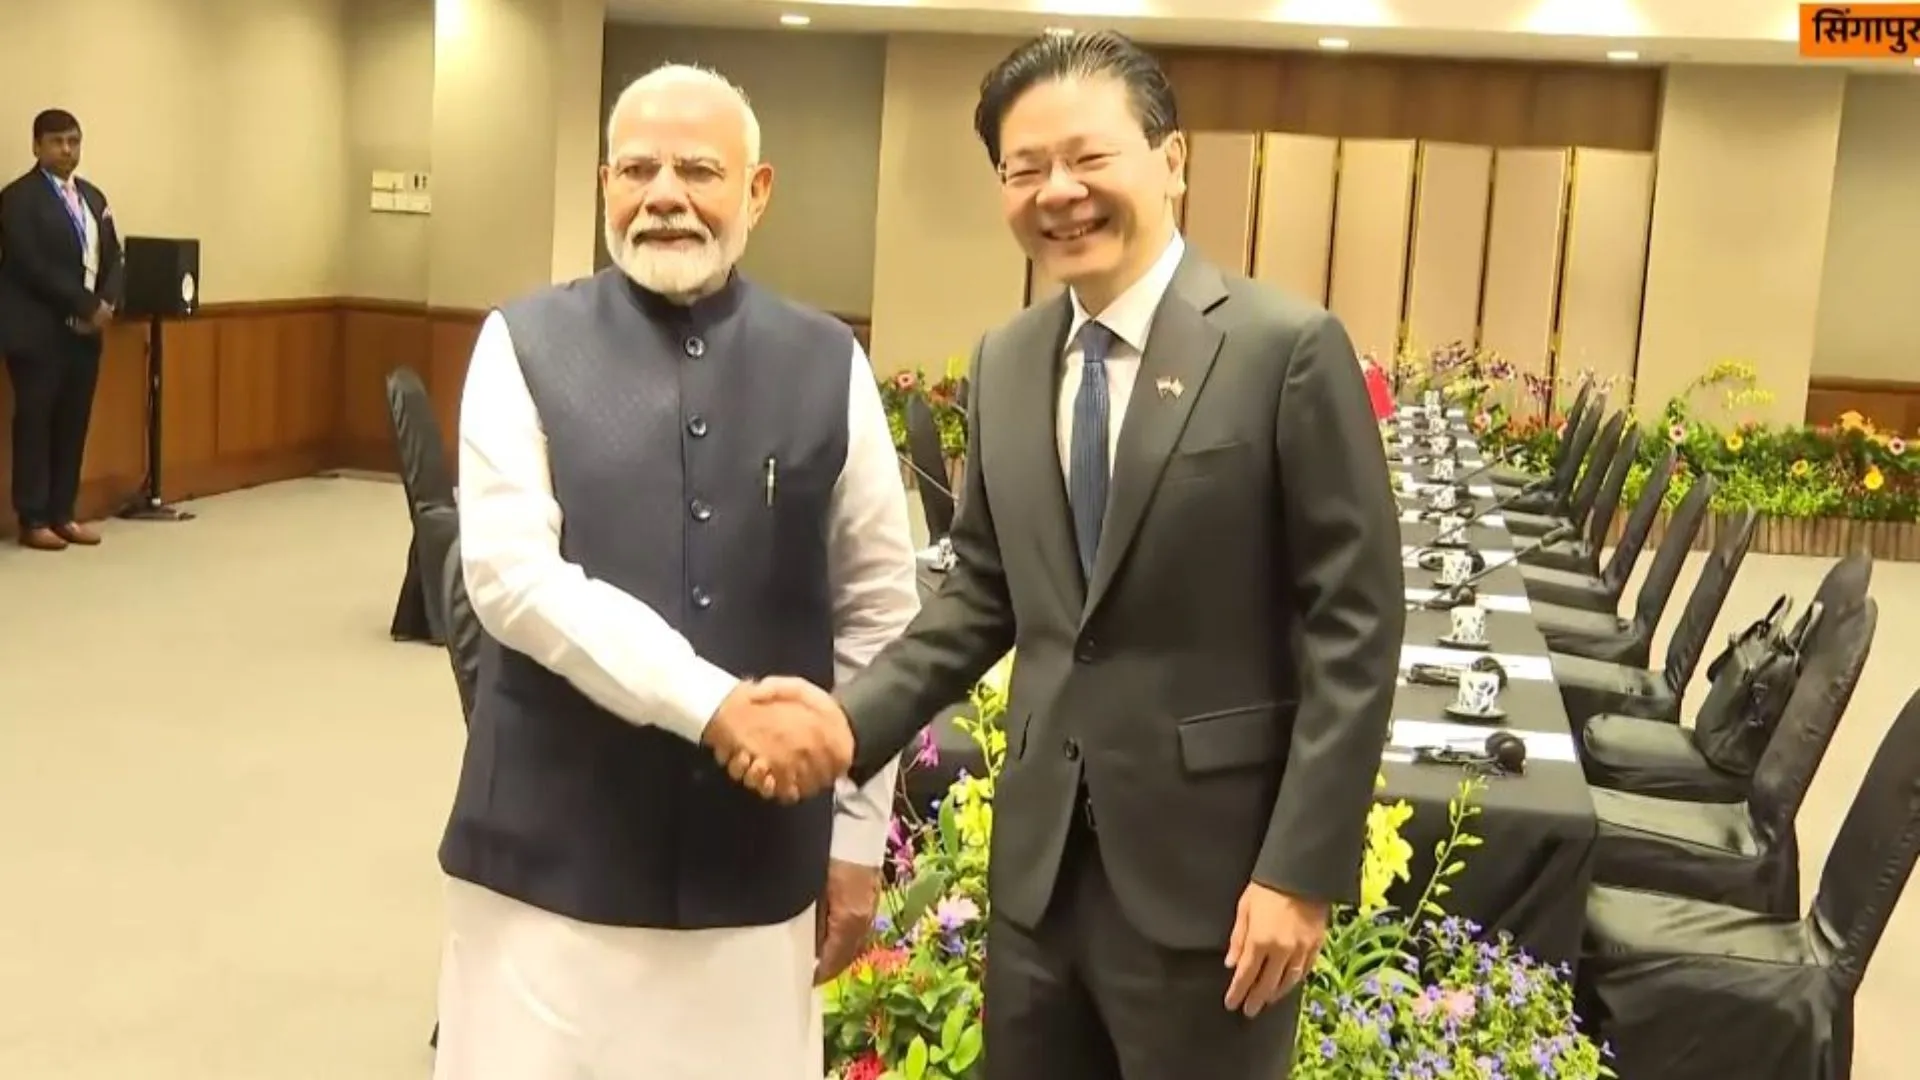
point(685, 272)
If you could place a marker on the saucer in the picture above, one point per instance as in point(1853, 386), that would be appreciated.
point(1492, 716)
point(1476, 646)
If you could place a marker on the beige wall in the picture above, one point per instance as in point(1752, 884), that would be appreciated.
point(221, 120)
point(818, 99)
point(1869, 325)
point(1743, 184)
point(944, 267)
point(389, 117)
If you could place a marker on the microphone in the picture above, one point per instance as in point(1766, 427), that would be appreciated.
point(939, 484)
point(1451, 595)
point(1503, 754)
point(1449, 536)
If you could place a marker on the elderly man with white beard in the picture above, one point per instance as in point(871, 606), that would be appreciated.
point(672, 482)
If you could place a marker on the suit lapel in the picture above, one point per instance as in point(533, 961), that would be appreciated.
point(1039, 352)
point(1181, 347)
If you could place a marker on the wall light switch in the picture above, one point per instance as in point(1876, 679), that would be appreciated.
point(383, 200)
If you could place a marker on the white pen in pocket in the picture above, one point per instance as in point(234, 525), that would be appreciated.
point(773, 477)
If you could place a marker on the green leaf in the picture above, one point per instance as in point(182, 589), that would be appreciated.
point(916, 898)
point(915, 1067)
point(968, 1051)
point(956, 1023)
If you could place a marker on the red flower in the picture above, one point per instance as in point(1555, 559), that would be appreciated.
point(867, 1068)
point(905, 380)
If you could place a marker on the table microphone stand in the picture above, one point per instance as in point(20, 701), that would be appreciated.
point(148, 506)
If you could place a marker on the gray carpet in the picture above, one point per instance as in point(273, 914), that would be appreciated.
point(221, 786)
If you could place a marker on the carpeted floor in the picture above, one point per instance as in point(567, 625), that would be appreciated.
point(221, 786)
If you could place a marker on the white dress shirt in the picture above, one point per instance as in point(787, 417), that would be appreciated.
point(69, 191)
point(1128, 318)
point(617, 650)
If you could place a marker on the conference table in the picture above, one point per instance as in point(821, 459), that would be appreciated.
point(1530, 875)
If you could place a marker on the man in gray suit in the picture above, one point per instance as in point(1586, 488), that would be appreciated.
point(1208, 626)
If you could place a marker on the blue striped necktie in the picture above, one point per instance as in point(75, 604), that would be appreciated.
point(1087, 469)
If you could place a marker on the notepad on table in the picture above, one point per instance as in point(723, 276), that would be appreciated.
point(1410, 735)
point(1512, 605)
point(1486, 521)
point(1530, 668)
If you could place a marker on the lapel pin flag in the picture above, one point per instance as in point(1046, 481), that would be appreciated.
point(1169, 386)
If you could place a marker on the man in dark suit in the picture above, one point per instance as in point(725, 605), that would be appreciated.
point(1208, 629)
point(59, 284)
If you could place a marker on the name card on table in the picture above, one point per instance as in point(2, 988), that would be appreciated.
point(1512, 605)
point(1410, 555)
point(1411, 735)
point(1530, 668)
point(1416, 485)
point(1484, 521)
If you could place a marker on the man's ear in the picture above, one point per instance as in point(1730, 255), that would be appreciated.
point(1175, 149)
point(759, 192)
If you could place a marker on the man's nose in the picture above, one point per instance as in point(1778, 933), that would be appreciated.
point(664, 196)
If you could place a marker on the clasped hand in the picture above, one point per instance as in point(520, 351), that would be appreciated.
point(782, 738)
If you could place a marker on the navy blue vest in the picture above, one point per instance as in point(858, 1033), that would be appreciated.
point(661, 421)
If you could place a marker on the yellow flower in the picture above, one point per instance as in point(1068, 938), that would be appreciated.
point(1874, 480)
point(1735, 442)
point(1800, 468)
point(1852, 421)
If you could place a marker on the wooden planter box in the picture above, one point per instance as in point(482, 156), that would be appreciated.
point(1886, 541)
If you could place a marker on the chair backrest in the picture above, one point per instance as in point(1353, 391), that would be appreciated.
point(929, 464)
point(1575, 413)
point(1600, 459)
point(1607, 503)
point(1874, 854)
point(1835, 655)
point(1844, 586)
point(1633, 536)
point(417, 437)
point(1682, 526)
point(1580, 435)
point(464, 633)
point(1689, 640)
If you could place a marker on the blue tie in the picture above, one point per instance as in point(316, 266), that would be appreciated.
point(1087, 454)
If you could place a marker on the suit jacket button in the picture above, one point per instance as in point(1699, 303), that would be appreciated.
point(1086, 651)
point(1071, 749)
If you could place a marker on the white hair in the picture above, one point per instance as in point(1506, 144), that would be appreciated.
point(689, 74)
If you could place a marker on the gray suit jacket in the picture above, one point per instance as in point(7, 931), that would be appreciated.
point(1222, 686)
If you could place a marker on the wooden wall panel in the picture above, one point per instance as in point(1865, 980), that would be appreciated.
point(259, 392)
point(1221, 197)
point(1293, 231)
point(1609, 210)
point(1523, 257)
point(1888, 405)
point(1447, 249)
point(1474, 102)
point(1371, 217)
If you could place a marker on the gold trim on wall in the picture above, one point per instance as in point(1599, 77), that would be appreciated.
point(1567, 192)
point(1646, 261)
point(1402, 339)
point(1333, 221)
point(1257, 182)
point(1486, 245)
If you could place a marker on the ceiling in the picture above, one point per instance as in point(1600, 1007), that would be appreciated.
point(883, 18)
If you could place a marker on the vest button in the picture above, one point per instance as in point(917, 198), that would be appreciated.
point(701, 509)
point(697, 427)
point(696, 348)
point(1086, 651)
point(1071, 750)
point(701, 598)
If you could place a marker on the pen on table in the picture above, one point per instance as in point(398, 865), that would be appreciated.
point(773, 468)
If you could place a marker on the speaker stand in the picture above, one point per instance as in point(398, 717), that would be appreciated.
point(148, 506)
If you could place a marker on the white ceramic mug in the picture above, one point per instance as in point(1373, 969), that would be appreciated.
point(1443, 468)
point(1455, 567)
point(1479, 692)
point(1469, 625)
point(1453, 528)
point(1440, 444)
point(1431, 399)
point(1445, 498)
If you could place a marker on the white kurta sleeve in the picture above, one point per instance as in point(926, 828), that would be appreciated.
point(612, 647)
point(870, 549)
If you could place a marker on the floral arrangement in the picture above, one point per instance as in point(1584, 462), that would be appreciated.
point(1394, 993)
point(1851, 469)
point(943, 394)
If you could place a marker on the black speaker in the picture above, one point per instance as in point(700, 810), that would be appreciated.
point(162, 277)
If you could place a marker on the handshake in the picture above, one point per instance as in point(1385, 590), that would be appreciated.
point(781, 738)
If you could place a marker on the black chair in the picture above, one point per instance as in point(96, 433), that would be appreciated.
point(1605, 636)
point(1582, 553)
point(929, 464)
point(1554, 499)
point(428, 484)
point(1590, 688)
point(1681, 989)
point(1509, 476)
point(1586, 491)
point(1744, 854)
point(1653, 757)
point(1586, 592)
point(464, 632)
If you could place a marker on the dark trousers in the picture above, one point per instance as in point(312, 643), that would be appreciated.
point(1085, 996)
point(53, 388)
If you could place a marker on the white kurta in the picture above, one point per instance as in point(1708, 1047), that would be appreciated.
point(526, 994)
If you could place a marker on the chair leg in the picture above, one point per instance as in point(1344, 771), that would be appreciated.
point(411, 619)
